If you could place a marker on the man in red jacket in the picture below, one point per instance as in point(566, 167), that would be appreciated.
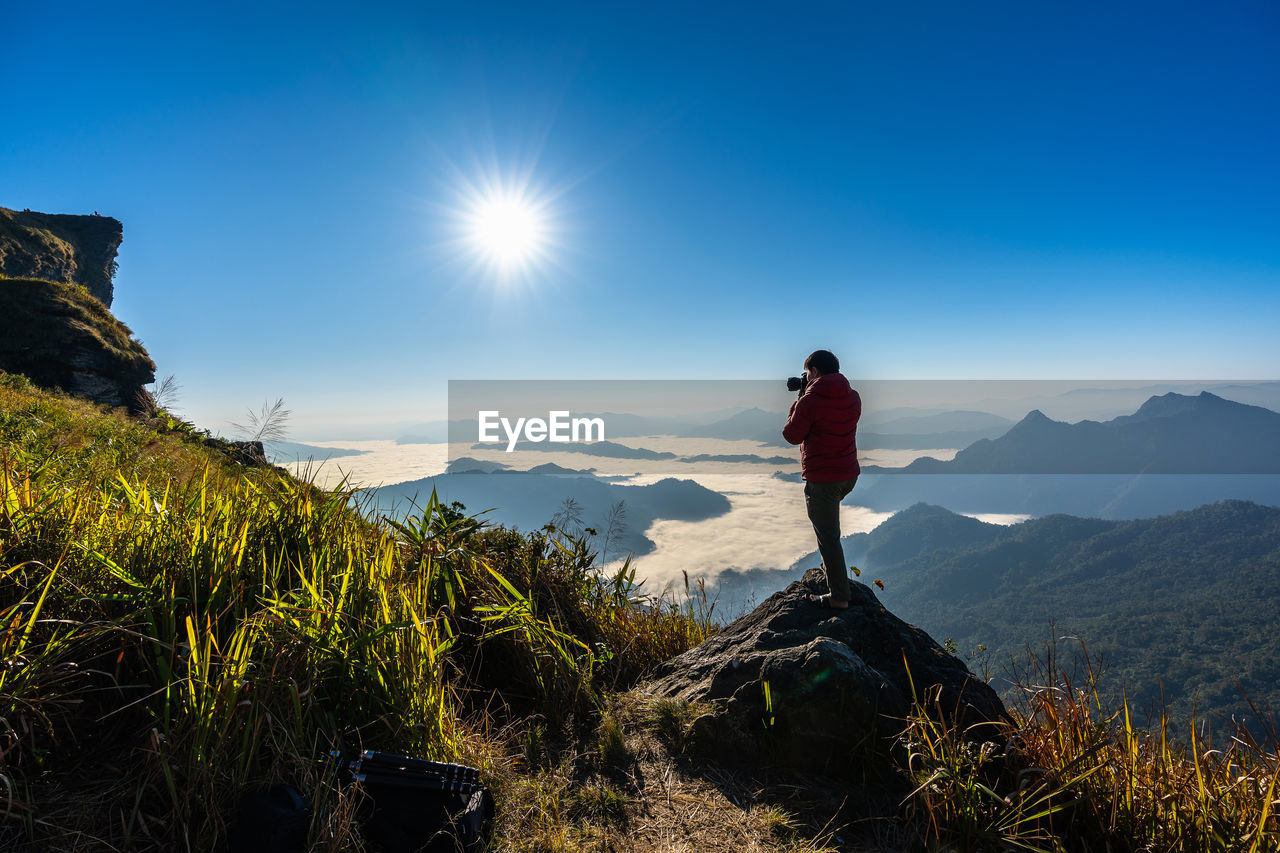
point(824, 421)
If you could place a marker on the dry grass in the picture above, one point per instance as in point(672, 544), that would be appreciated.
point(1072, 774)
point(630, 791)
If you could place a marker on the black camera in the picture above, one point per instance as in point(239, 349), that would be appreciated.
point(796, 383)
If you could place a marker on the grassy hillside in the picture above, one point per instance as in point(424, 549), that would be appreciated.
point(177, 629)
point(185, 627)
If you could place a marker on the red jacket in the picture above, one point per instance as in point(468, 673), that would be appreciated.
point(824, 421)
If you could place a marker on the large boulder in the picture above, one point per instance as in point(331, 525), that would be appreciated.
point(816, 688)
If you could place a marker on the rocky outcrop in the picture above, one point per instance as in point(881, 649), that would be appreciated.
point(251, 453)
point(816, 688)
point(61, 247)
point(61, 337)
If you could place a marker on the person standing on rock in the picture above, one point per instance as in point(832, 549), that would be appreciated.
point(824, 422)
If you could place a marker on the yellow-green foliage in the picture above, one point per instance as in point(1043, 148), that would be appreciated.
point(89, 445)
point(1066, 771)
point(221, 625)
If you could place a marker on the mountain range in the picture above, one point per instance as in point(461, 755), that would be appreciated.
point(1175, 452)
point(1169, 434)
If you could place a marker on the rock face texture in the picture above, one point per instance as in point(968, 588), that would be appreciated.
point(61, 247)
point(838, 682)
point(59, 336)
point(55, 291)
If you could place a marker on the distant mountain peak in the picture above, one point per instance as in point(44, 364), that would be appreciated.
point(915, 514)
point(1173, 403)
point(1032, 420)
point(920, 509)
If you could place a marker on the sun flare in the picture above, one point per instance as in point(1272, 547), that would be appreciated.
point(504, 227)
point(508, 230)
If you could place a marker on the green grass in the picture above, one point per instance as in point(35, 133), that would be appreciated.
point(218, 624)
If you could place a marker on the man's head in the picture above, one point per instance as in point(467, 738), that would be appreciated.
point(820, 363)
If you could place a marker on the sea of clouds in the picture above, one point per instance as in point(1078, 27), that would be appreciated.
point(765, 528)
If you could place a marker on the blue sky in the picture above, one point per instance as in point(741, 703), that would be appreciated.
point(932, 190)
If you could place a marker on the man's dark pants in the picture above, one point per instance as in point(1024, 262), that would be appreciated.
point(822, 500)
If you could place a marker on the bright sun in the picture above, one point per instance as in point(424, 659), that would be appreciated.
point(504, 227)
point(508, 230)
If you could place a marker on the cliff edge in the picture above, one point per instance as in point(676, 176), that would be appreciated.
point(56, 327)
point(61, 247)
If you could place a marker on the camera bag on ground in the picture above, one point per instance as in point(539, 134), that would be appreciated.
point(416, 806)
point(272, 821)
point(406, 805)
